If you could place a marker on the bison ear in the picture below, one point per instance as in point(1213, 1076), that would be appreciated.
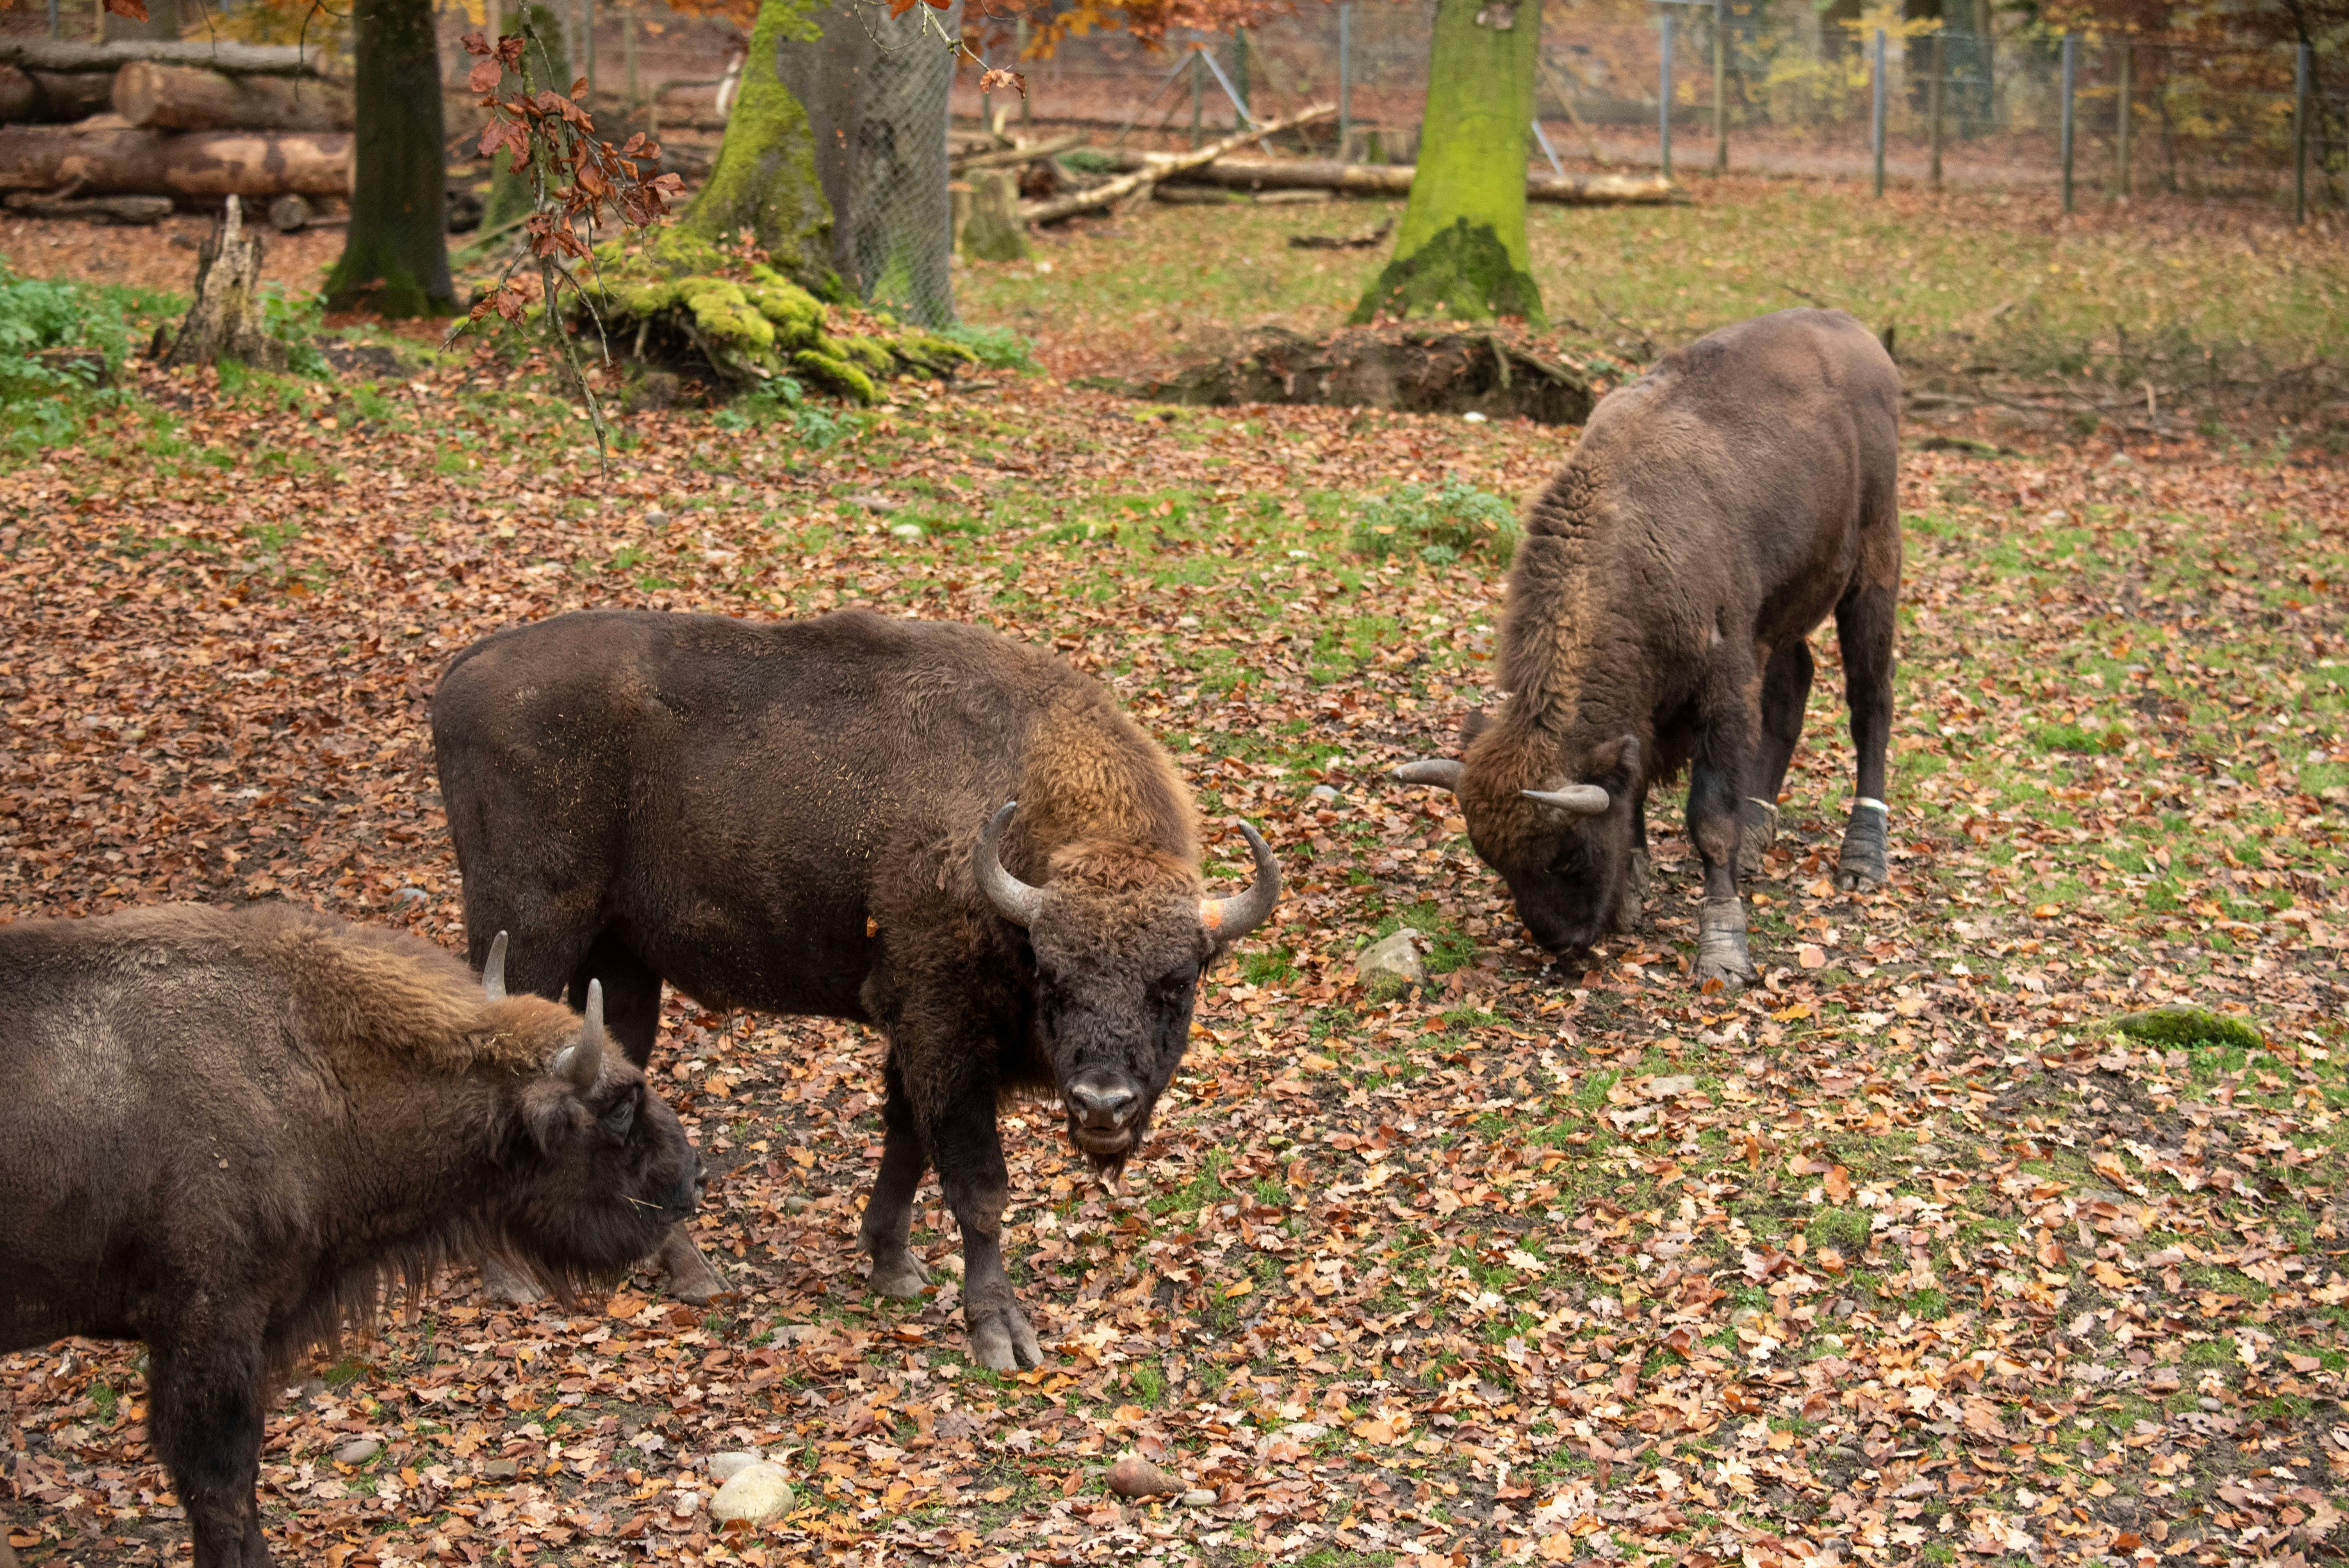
point(1620, 756)
point(1476, 723)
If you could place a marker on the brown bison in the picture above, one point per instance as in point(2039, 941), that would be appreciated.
point(227, 1129)
point(1714, 512)
point(819, 816)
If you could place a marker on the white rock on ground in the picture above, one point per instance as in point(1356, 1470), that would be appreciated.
point(357, 1452)
point(1397, 955)
point(755, 1494)
point(725, 1467)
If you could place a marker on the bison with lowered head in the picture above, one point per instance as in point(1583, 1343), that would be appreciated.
point(1714, 512)
point(228, 1127)
point(924, 826)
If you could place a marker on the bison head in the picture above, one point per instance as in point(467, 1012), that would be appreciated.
point(602, 1166)
point(1120, 935)
point(1564, 842)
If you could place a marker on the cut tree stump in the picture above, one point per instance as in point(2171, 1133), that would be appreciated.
point(225, 321)
point(187, 97)
point(993, 232)
point(1408, 367)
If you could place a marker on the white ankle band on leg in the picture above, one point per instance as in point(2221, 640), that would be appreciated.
point(1864, 804)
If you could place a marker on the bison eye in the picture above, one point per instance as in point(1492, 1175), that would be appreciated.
point(620, 1117)
point(1178, 979)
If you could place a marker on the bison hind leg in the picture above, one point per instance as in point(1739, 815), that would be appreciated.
point(206, 1420)
point(889, 1211)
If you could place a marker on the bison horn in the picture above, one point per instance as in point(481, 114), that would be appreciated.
point(493, 973)
point(583, 1064)
point(1440, 771)
point(1229, 919)
point(1015, 900)
point(1574, 799)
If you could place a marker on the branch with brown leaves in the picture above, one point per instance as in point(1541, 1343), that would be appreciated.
point(578, 180)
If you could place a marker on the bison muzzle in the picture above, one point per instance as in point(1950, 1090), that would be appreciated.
point(232, 1130)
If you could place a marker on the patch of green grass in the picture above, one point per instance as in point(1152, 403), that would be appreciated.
point(2188, 1027)
point(1438, 523)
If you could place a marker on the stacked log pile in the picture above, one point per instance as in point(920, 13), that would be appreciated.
point(176, 119)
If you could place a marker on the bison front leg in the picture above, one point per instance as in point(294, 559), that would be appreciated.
point(1864, 626)
point(206, 1417)
point(1717, 821)
point(968, 1153)
point(889, 1211)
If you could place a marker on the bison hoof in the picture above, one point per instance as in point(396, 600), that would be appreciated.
point(1001, 1341)
point(500, 1281)
point(899, 1274)
point(1721, 943)
point(1631, 903)
point(1860, 866)
point(1759, 831)
point(690, 1278)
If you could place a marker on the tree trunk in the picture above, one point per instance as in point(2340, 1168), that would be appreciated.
point(225, 321)
point(899, 223)
point(396, 252)
point(187, 98)
point(765, 180)
point(511, 197)
point(1461, 252)
point(108, 160)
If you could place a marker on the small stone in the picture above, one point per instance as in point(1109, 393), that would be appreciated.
point(1396, 955)
point(1135, 1475)
point(412, 895)
point(725, 1467)
point(1323, 792)
point(1199, 1496)
point(502, 1470)
point(357, 1452)
point(1672, 1087)
point(797, 1204)
point(1929, 1151)
point(754, 1494)
point(657, 518)
point(1473, 417)
point(2207, 1403)
point(906, 529)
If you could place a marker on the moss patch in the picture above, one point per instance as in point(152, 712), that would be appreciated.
point(1464, 272)
point(2188, 1027)
point(680, 298)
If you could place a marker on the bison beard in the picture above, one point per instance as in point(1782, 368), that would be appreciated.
point(810, 817)
point(1714, 512)
point(231, 1129)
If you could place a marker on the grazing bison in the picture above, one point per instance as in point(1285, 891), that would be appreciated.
point(812, 818)
point(227, 1129)
point(1714, 512)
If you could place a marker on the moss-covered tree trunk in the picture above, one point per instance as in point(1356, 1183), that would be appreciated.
point(765, 177)
point(511, 197)
point(395, 251)
point(1461, 252)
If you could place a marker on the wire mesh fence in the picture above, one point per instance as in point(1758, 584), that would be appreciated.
point(1780, 90)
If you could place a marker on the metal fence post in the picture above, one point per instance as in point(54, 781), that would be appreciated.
point(1240, 73)
point(1664, 97)
point(1939, 55)
point(2123, 126)
point(1721, 86)
point(1876, 114)
point(2071, 64)
point(57, 22)
point(587, 40)
point(1199, 70)
point(1345, 77)
point(2300, 78)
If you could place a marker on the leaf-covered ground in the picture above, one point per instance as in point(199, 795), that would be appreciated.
point(1900, 1255)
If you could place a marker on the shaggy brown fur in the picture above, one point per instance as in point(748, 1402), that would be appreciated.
point(1714, 512)
point(230, 1128)
point(781, 817)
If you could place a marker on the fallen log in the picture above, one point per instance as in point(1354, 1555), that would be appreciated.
point(1394, 179)
point(189, 97)
point(1416, 367)
point(1011, 157)
point(112, 159)
point(237, 59)
point(1160, 168)
point(49, 98)
point(134, 211)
